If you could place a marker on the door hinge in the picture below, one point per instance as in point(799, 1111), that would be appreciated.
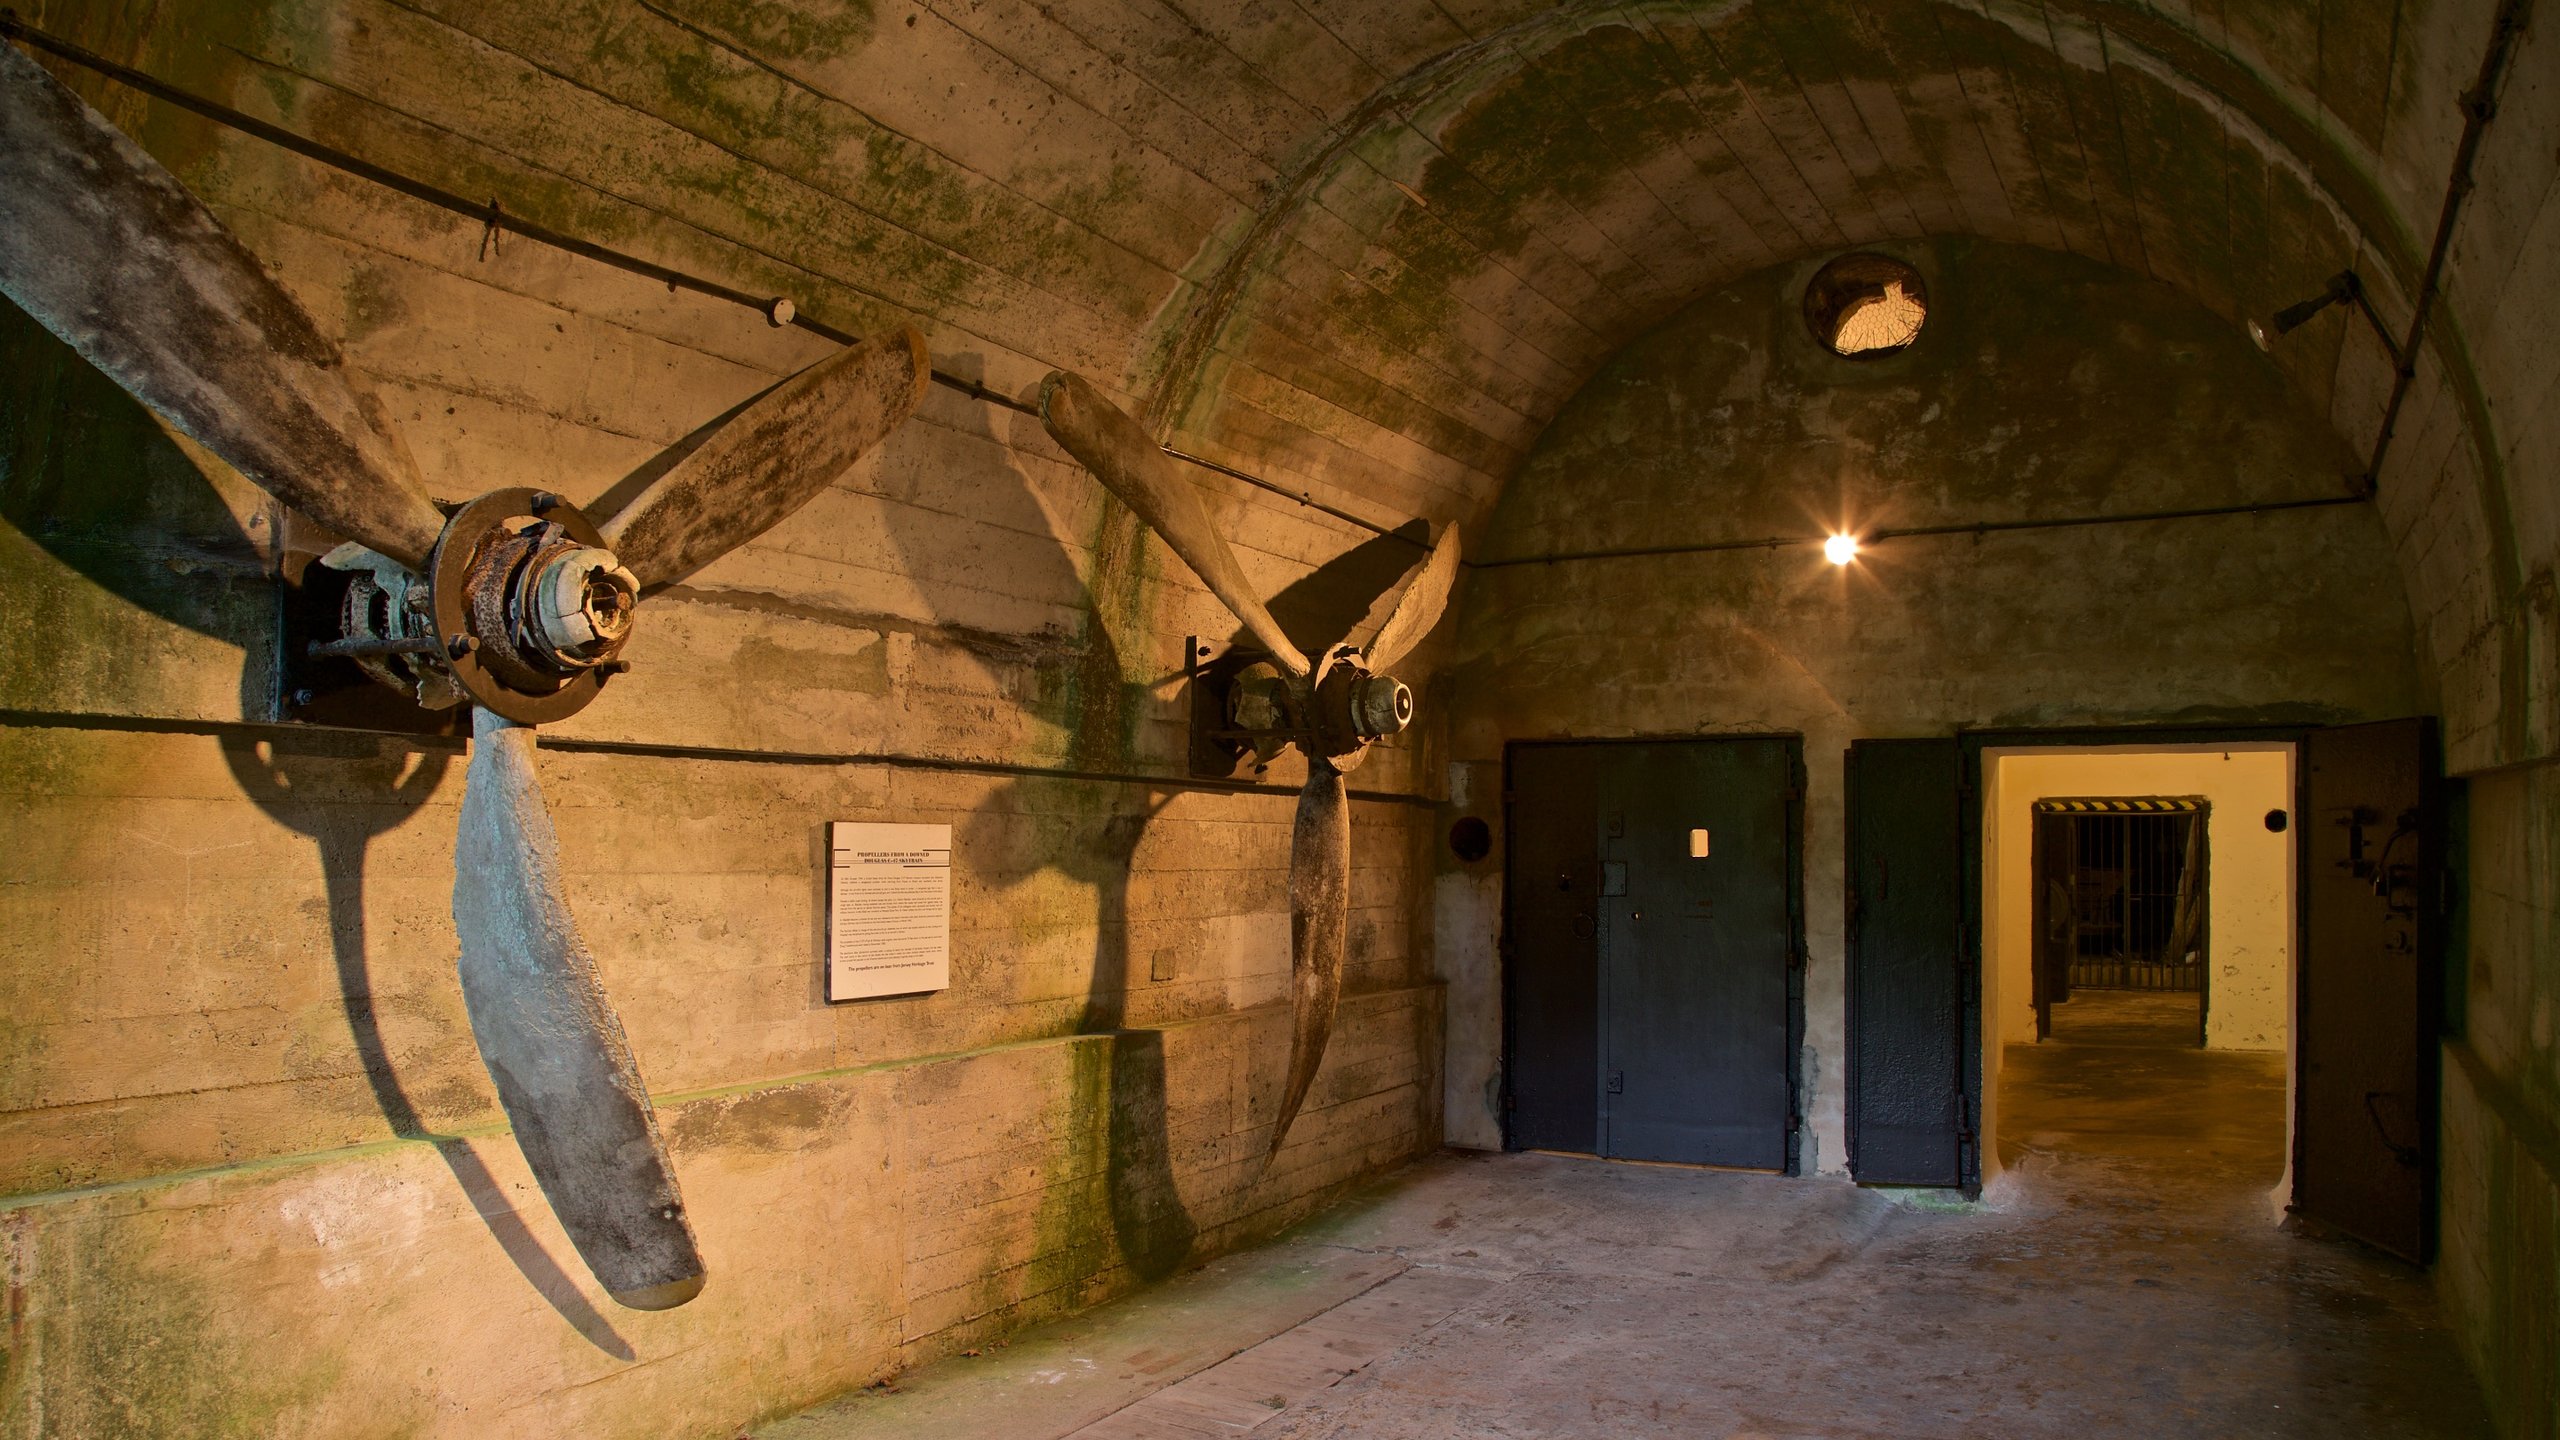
point(1617, 1082)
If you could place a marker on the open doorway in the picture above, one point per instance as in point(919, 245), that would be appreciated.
point(2138, 947)
point(2323, 963)
point(2119, 889)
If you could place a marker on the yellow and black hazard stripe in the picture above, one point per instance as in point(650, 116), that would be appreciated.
point(2119, 805)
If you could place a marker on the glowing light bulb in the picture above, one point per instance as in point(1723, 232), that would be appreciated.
point(1840, 549)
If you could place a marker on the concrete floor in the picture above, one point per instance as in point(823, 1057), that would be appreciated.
point(2125, 1278)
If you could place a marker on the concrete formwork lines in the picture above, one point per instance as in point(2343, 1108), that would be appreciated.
point(1613, 140)
point(2082, 67)
point(2052, 127)
point(1449, 369)
point(1781, 218)
point(1292, 50)
point(1424, 242)
point(1941, 123)
point(1869, 76)
point(1979, 60)
point(1813, 64)
point(1513, 331)
point(1389, 36)
point(1011, 141)
point(1416, 422)
point(1777, 100)
point(663, 151)
point(1001, 315)
point(1292, 453)
point(2178, 164)
point(718, 90)
point(1730, 221)
point(1470, 210)
point(1456, 386)
point(1007, 27)
point(1509, 192)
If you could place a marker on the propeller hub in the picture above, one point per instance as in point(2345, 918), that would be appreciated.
point(1381, 705)
point(1353, 707)
point(580, 606)
point(530, 607)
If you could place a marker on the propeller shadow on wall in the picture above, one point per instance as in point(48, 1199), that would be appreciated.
point(92, 479)
point(1090, 833)
point(514, 601)
point(1085, 832)
point(1330, 705)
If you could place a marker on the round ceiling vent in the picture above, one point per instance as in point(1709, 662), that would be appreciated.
point(1866, 306)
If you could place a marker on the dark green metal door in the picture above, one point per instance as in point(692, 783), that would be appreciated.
point(1693, 962)
point(1551, 949)
point(1911, 978)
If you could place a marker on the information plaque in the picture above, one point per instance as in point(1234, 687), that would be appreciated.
point(888, 909)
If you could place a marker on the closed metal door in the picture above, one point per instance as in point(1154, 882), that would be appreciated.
point(1910, 967)
point(1692, 960)
point(1551, 949)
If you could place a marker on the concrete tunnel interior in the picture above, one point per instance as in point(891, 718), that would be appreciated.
point(823, 719)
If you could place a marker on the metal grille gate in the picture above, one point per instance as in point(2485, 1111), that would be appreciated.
point(2129, 903)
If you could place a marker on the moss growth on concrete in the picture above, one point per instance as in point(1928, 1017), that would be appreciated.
point(130, 1342)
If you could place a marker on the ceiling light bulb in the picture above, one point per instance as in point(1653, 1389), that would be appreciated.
point(1840, 549)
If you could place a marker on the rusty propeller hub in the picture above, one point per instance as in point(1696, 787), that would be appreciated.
point(529, 608)
point(1334, 718)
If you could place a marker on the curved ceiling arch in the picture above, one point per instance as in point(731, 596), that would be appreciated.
point(1475, 239)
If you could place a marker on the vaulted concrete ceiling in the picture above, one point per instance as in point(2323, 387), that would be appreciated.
point(1367, 247)
point(1504, 207)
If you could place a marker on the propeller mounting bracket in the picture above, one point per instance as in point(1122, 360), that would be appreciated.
point(475, 594)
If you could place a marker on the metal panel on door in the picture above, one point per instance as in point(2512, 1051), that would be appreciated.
point(1697, 950)
point(1908, 966)
point(2366, 1009)
point(1551, 949)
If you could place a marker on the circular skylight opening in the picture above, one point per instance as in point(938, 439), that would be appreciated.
point(1866, 306)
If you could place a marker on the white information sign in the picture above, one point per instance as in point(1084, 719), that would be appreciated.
point(888, 909)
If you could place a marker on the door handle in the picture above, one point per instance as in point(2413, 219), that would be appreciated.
point(2407, 1155)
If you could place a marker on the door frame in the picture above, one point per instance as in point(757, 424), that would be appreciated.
point(1970, 743)
point(1796, 953)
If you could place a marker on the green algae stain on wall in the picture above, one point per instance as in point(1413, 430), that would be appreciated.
point(809, 30)
point(132, 1343)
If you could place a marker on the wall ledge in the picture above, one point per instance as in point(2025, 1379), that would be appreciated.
point(39, 1199)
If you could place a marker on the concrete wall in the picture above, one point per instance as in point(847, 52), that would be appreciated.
point(253, 1179)
point(2249, 890)
point(2044, 386)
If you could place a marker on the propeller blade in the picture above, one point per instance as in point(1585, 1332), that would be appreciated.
point(108, 251)
point(551, 1040)
point(1418, 609)
point(1120, 455)
point(1319, 914)
point(771, 459)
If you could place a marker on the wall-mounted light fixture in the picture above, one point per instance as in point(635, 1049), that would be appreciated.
point(2345, 288)
point(1840, 549)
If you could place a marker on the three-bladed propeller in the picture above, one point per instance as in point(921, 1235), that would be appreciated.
point(515, 601)
point(1332, 707)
